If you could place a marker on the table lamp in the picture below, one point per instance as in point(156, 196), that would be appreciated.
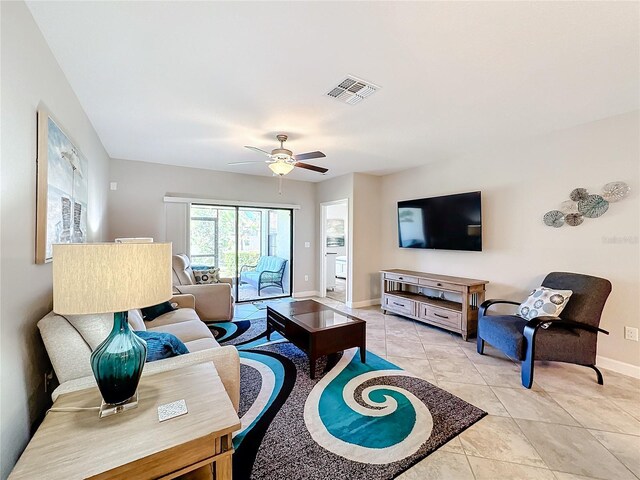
point(90, 278)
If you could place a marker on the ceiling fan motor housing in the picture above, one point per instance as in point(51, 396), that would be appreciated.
point(282, 154)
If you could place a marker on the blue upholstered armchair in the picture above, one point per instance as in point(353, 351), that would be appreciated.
point(572, 338)
point(269, 272)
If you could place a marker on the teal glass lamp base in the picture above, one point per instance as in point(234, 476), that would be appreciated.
point(117, 364)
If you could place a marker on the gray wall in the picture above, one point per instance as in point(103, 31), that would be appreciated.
point(30, 75)
point(137, 209)
point(520, 182)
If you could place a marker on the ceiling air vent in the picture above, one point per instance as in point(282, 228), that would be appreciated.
point(352, 90)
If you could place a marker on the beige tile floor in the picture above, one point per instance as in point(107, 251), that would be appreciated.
point(567, 427)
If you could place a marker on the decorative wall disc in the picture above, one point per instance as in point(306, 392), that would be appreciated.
point(569, 206)
point(553, 218)
point(593, 206)
point(574, 219)
point(578, 194)
point(615, 191)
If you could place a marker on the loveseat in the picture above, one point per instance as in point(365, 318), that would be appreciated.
point(70, 339)
point(214, 301)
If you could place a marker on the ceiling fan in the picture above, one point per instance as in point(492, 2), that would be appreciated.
point(282, 161)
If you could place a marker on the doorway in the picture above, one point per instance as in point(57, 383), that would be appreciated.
point(251, 245)
point(335, 250)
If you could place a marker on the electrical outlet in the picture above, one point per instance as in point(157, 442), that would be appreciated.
point(307, 244)
point(306, 278)
point(631, 333)
point(48, 376)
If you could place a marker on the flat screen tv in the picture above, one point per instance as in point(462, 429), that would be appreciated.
point(451, 222)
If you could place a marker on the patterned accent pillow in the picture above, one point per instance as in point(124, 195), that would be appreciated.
point(207, 275)
point(544, 301)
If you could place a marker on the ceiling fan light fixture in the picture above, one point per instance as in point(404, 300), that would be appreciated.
point(281, 168)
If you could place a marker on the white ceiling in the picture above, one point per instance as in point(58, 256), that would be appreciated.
point(190, 83)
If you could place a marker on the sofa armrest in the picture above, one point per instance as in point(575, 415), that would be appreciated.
point(228, 280)
point(225, 359)
point(184, 300)
point(214, 301)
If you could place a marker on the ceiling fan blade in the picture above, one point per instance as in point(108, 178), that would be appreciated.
point(311, 167)
point(256, 149)
point(247, 163)
point(309, 155)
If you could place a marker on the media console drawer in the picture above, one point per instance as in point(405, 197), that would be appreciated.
point(396, 277)
point(399, 305)
point(440, 315)
point(441, 285)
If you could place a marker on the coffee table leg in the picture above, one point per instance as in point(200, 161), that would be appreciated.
point(268, 331)
point(363, 354)
point(312, 367)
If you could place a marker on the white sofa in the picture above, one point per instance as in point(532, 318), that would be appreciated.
point(70, 339)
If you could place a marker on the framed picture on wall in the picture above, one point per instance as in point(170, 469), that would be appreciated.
point(335, 232)
point(62, 189)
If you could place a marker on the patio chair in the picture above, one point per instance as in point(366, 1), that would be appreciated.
point(268, 272)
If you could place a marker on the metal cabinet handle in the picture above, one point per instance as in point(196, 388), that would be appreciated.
point(441, 316)
point(439, 284)
point(398, 304)
point(399, 278)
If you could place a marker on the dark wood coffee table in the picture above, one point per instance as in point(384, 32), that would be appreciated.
point(317, 329)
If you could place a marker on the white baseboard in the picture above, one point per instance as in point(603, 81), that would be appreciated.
point(310, 293)
point(618, 366)
point(364, 303)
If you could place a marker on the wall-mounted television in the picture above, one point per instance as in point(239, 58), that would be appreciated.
point(450, 222)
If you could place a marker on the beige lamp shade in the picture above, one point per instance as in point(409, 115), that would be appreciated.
point(110, 277)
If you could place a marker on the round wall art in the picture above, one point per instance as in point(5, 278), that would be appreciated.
point(573, 219)
point(578, 194)
point(553, 218)
point(583, 205)
point(615, 191)
point(593, 206)
point(569, 206)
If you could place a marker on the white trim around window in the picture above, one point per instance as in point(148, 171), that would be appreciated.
point(228, 203)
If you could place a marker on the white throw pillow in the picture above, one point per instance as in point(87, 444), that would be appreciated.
point(544, 301)
point(209, 275)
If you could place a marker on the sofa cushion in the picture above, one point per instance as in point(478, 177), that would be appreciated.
point(201, 344)
point(93, 328)
point(175, 316)
point(185, 331)
point(135, 320)
point(162, 345)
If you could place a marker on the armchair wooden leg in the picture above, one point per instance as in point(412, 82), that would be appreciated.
point(598, 373)
point(480, 345)
point(527, 365)
point(527, 372)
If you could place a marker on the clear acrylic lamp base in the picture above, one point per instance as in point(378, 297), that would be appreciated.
point(108, 409)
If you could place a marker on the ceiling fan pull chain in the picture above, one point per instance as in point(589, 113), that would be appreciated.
point(279, 184)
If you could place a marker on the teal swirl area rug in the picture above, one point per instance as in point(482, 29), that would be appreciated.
point(355, 421)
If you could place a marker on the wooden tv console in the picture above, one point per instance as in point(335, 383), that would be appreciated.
point(411, 294)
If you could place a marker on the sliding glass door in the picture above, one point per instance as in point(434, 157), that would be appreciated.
point(253, 246)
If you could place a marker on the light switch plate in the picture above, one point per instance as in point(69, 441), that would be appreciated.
point(172, 410)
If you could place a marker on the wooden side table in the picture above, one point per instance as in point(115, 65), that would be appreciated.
point(134, 444)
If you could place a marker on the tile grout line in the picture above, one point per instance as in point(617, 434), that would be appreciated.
point(612, 453)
